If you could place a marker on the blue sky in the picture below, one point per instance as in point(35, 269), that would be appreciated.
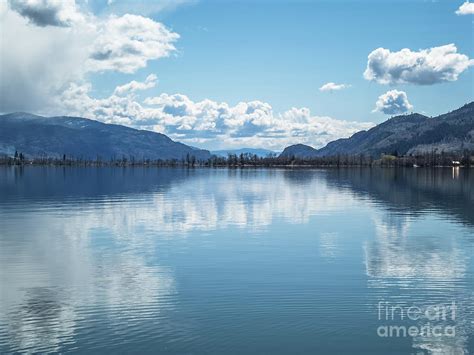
point(280, 53)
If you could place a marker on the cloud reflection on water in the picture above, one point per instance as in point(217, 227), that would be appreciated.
point(84, 245)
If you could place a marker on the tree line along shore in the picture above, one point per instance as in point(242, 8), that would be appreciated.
point(433, 159)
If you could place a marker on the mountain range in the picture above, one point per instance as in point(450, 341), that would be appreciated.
point(37, 136)
point(76, 137)
point(412, 134)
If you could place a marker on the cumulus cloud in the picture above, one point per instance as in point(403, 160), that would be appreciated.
point(62, 13)
point(127, 43)
point(38, 62)
point(466, 8)
point(215, 124)
point(333, 87)
point(131, 87)
point(425, 67)
point(42, 60)
point(393, 102)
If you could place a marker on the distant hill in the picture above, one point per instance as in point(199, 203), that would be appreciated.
point(37, 136)
point(299, 151)
point(262, 153)
point(402, 135)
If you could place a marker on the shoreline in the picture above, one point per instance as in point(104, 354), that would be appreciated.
point(249, 161)
point(232, 167)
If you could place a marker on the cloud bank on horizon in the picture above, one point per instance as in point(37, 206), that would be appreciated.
point(68, 44)
point(250, 124)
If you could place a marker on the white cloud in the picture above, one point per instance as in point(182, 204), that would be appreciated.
point(62, 13)
point(39, 62)
point(210, 123)
point(466, 8)
point(393, 102)
point(150, 82)
point(425, 67)
point(333, 87)
point(127, 43)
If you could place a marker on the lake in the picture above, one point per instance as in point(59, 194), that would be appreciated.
point(149, 260)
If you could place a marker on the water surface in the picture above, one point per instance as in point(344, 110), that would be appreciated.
point(220, 261)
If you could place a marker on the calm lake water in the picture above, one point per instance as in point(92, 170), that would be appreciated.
point(149, 260)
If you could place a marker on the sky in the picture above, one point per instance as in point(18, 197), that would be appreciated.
point(232, 74)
